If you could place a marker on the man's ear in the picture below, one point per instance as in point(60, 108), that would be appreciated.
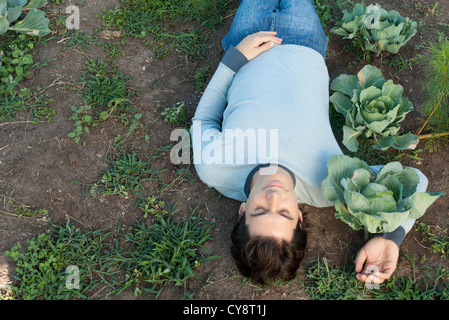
point(242, 208)
point(300, 219)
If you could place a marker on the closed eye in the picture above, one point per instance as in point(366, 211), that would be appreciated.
point(261, 211)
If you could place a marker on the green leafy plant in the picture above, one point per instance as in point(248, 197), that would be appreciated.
point(323, 9)
point(35, 23)
point(84, 118)
point(175, 114)
point(373, 108)
point(17, 61)
point(379, 203)
point(152, 206)
point(23, 210)
point(438, 238)
point(373, 29)
point(18, 64)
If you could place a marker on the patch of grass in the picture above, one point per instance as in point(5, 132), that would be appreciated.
point(126, 174)
point(80, 39)
point(200, 77)
point(102, 84)
point(67, 263)
point(169, 24)
point(41, 264)
point(324, 281)
point(163, 253)
point(412, 288)
point(105, 91)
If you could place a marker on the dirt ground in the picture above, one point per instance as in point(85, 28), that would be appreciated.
point(38, 163)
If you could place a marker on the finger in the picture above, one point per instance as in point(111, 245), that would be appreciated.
point(360, 260)
point(265, 39)
point(387, 273)
point(272, 33)
point(264, 47)
point(373, 278)
point(265, 36)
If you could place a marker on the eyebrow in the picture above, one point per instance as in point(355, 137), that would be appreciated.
point(256, 214)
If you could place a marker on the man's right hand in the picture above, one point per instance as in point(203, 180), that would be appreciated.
point(256, 43)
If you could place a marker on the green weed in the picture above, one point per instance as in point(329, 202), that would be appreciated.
point(412, 288)
point(80, 39)
point(437, 237)
point(17, 64)
point(200, 77)
point(23, 210)
point(176, 114)
point(126, 174)
point(152, 206)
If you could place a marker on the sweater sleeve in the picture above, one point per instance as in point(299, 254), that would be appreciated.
point(207, 122)
point(398, 235)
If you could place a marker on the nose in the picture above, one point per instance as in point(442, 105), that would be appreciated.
point(273, 199)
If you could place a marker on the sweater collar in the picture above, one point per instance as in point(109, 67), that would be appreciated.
point(257, 168)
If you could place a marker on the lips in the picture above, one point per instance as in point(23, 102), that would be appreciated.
point(275, 185)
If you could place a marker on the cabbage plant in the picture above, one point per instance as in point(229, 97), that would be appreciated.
point(376, 29)
point(372, 107)
point(377, 202)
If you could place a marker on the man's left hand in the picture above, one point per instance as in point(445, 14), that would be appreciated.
point(377, 260)
point(256, 43)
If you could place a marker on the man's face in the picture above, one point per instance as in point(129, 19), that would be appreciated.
point(272, 207)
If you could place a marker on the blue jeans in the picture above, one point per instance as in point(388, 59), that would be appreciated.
point(295, 21)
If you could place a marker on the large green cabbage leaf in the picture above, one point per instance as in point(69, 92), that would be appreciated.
point(377, 202)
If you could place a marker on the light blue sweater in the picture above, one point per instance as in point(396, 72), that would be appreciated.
point(282, 92)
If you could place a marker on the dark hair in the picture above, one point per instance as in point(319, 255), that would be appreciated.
point(266, 258)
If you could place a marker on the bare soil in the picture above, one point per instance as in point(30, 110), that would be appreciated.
point(38, 163)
